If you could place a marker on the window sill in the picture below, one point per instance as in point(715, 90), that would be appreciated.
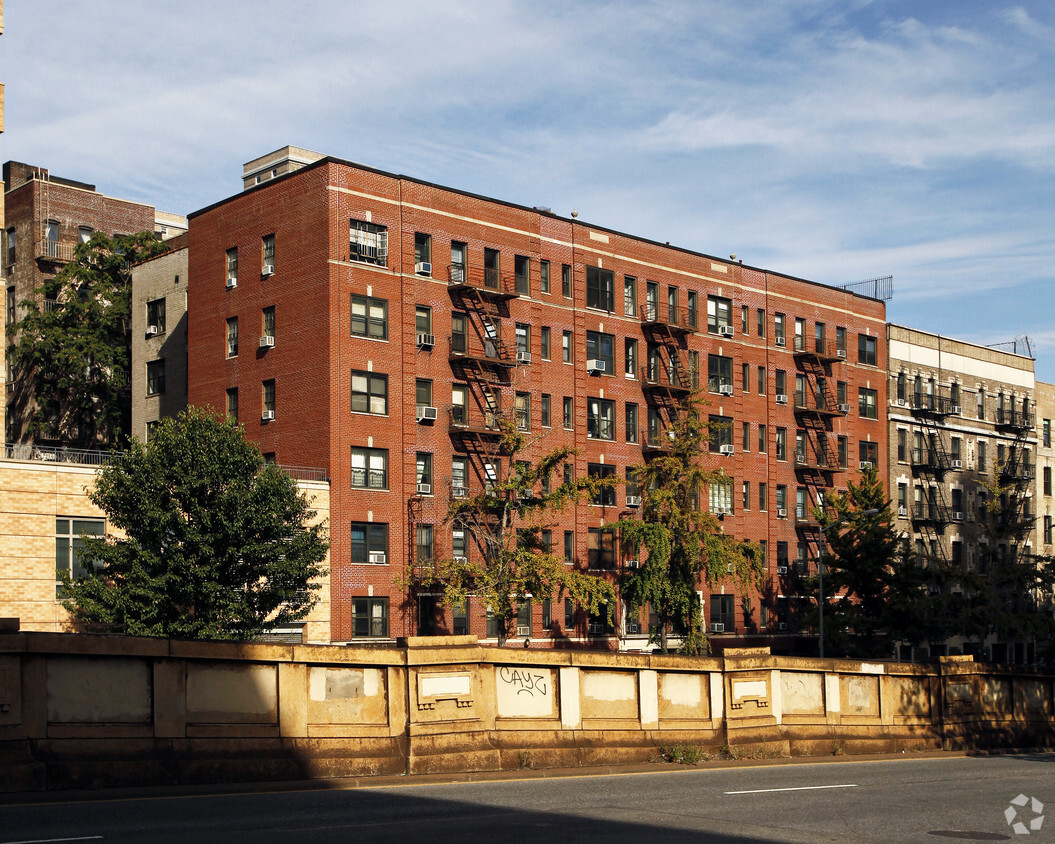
point(368, 337)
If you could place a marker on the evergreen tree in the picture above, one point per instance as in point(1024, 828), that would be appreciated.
point(213, 544)
point(685, 546)
point(73, 346)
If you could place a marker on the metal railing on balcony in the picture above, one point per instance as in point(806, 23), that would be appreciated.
point(1017, 469)
point(657, 442)
point(665, 377)
point(932, 403)
point(825, 350)
point(931, 512)
point(929, 458)
point(489, 352)
point(1011, 418)
point(53, 250)
point(473, 420)
point(487, 280)
point(672, 316)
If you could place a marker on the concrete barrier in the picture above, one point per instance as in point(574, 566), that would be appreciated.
point(97, 711)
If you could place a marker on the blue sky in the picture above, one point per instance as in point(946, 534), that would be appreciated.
point(836, 141)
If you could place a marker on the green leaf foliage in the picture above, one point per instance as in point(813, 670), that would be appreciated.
point(685, 546)
point(215, 544)
point(505, 522)
point(73, 348)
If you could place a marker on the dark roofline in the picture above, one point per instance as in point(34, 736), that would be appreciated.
point(331, 159)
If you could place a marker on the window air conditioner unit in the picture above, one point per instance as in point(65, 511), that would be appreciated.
point(423, 268)
point(152, 330)
point(523, 631)
point(595, 366)
point(426, 413)
point(267, 269)
point(459, 492)
point(902, 511)
point(782, 398)
point(957, 464)
point(780, 341)
point(377, 557)
point(957, 515)
point(782, 513)
point(461, 561)
point(267, 416)
point(633, 627)
point(782, 626)
point(631, 564)
point(782, 569)
point(844, 408)
point(840, 353)
point(426, 341)
point(424, 489)
point(523, 357)
point(231, 283)
point(267, 341)
point(725, 449)
point(633, 501)
point(527, 495)
point(866, 464)
point(726, 389)
point(725, 331)
point(717, 627)
point(957, 409)
point(901, 402)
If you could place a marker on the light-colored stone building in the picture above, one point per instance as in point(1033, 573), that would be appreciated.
point(1045, 502)
point(961, 429)
point(159, 338)
point(44, 512)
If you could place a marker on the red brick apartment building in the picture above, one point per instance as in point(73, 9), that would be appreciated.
point(373, 324)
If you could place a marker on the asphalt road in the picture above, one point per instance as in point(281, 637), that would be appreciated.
point(933, 800)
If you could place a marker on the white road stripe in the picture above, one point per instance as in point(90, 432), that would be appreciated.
point(52, 840)
point(797, 788)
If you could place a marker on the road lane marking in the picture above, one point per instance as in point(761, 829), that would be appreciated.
point(796, 788)
point(54, 840)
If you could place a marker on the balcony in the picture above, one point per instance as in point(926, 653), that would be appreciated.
point(54, 251)
point(811, 404)
point(930, 404)
point(657, 443)
point(485, 281)
point(931, 513)
point(490, 354)
point(929, 460)
point(821, 351)
point(666, 379)
point(475, 424)
point(673, 318)
point(1017, 469)
point(1013, 420)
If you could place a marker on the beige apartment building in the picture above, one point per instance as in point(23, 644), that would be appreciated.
point(1045, 509)
point(961, 423)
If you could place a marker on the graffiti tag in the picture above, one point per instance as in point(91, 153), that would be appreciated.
point(524, 681)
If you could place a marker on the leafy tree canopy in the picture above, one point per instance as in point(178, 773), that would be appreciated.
point(74, 344)
point(686, 546)
point(216, 545)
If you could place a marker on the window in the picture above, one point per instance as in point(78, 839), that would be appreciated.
point(721, 432)
point(782, 499)
point(422, 319)
point(369, 393)
point(12, 314)
point(720, 494)
point(981, 402)
point(761, 380)
point(370, 618)
point(523, 339)
point(269, 254)
point(692, 310)
point(866, 349)
point(1047, 530)
point(723, 617)
point(268, 395)
point(565, 281)
point(745, 375)
point(745, 436)
point(543, 270)
point(524, 617)
point(600, 548)
point(424, 549)
point(459, 333)
point(869, 453)
point(232, 267)
point(522, 274)
point(156, 316)
point(1046, 433)
point(458, 265)
point(800, 334)
point(267, 325)
point(801, 504)
point(902, 445)
point(866, 403)
point(781, 383)
point(544, 333)
point(544, 407)
point(981, 456)
point(630, 296)
point(955, 450)
point(566, 346)
point(369, 468)
point(600, 419)
point(630, 357)
point(10, 246)
point(840, 392)
point(522, 411)
point(367, 243)
point(782, 444)
point(459, 544)
point(568, 413)
point(746, 495)
point(69, 547)
point(631, 422)
point(1047, 480)
point(763, 497)
point(232, 404)
point(744, 311)
point(719, 373)
point(673, 316)
point(422, 254)
point(651, 301)
point(601, 347)
point(569, 545)
point(840, 341)
point(819, 341)
point(761, 328)
point(155, 377)
point(761, 439)
point(606, 495)
point(232, 337)
point(459, 478)
point(600, 286)
point(422, 393)
point(369, 317)
point(369, 542)
point(719, 314)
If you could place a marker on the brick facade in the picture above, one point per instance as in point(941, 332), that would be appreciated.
point(314, 354)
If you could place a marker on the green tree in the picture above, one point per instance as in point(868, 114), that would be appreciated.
point(686, 546)
point(506, 522)
point(73, 345)
point(215, 544)
point(875, 591)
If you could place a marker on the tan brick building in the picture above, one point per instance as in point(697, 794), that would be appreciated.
point(1045, 502)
